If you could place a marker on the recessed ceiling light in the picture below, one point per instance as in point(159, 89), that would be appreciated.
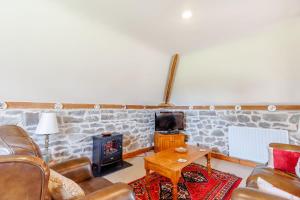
point(187, 14)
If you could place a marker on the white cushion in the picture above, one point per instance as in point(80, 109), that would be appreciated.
point(271, 158)
point(297, 168)
point(267, 187)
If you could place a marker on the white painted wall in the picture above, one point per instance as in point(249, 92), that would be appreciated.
point(51, 52)
point(63, 51)
point(260, 68)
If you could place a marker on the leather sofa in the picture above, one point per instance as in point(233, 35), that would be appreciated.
point(24, 175)
point(284, 181)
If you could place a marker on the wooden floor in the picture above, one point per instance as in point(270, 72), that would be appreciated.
point(137, 170)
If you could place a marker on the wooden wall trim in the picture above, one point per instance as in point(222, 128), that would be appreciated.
point(41, 105)
point(29, 105)
point(200, 108)
point(255, 107)
point(137, 107)
point(78, 106)
point(112, 106)
point(288, 107)
point(137, 152)
point(234, 160)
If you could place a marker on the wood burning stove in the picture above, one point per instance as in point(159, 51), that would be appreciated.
point(107, 150)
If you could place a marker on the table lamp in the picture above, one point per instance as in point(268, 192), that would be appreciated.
point(47, 126)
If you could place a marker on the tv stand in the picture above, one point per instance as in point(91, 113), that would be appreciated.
point(166, 141)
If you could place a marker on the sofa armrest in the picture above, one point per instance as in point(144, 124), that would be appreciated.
point(117, 191)
point(250, 194)
point(288, 147)
point(78, 169)
point(23, 177)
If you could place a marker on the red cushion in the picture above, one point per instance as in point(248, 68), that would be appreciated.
point(285, 160)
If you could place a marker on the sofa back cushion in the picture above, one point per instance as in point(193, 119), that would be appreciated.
point(15, 141)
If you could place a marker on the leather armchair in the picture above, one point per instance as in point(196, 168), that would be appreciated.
point(24, 175)
point(279, 179)
point(79, 170)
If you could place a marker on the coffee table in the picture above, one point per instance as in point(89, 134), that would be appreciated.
point(165, 163)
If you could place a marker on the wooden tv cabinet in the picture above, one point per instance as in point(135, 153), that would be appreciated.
point(166, 141)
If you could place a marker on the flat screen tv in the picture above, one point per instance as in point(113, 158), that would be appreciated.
point(169, 122)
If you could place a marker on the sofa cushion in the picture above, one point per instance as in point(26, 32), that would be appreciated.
point(62, 188)
point(267, 187)
point(94, 184)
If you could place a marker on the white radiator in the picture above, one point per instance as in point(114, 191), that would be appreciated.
point(252, 143)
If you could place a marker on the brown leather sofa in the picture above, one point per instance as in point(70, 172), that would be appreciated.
point(24, 175)
point(284, 181)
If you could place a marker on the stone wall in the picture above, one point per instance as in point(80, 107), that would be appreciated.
point(208, 128)
point(78, 126)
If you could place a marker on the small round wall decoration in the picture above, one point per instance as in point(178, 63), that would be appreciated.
point(272, 108)
point(191, 107)
point(3, 105)
point(97, 107)
point(58, 106)
point(238, 107)
point(212, 108)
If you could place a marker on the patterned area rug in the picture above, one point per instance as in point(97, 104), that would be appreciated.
point(194, 184)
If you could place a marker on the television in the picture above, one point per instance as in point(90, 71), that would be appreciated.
point(169, 122)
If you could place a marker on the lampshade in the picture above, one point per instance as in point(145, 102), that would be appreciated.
point(47, 124)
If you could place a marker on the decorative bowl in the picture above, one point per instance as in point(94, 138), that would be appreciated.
point(181, 160)
point(106, 134)
point(181, 150)
point(203, 149)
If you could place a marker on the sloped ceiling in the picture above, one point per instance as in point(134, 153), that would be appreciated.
point(159, 23)
point(119, 51)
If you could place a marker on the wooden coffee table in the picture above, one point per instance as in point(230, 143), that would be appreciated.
point(165, 163)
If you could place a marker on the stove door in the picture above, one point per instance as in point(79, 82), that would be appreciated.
point(112, 150)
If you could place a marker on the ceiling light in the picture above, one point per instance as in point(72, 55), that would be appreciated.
point(187, 14)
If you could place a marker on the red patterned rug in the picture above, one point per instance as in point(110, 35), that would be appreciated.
point(194, 184)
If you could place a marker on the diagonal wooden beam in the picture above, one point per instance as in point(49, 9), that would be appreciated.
point(170, 80)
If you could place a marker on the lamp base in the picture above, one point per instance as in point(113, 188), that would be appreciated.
point(47, 157)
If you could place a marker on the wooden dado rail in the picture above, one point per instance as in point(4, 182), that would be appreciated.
point(32, 105)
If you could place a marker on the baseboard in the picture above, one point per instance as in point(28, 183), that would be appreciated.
point(137, 152)
point(234, 160)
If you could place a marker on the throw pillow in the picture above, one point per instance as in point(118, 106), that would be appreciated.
point(62, 188)
point(284, 160)
point(267, 187)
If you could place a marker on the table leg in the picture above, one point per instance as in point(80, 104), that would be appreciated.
point(175, 188)
point(147, 178)
point(208, 157)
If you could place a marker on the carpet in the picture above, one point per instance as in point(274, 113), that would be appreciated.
point(194, 184)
